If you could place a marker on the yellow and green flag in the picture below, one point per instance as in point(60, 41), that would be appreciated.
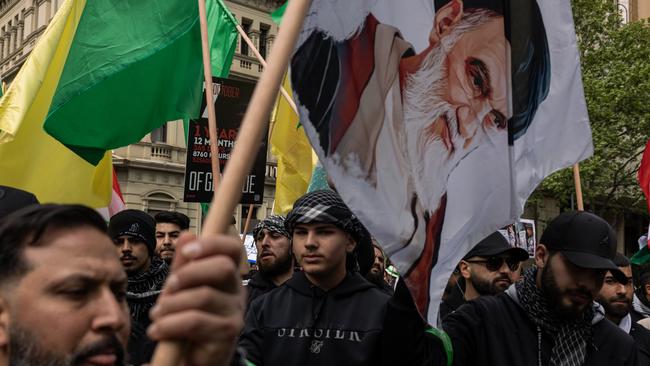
point(103, 75)
point(296, 158)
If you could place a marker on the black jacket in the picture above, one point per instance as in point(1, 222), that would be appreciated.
point(496, 331)
point(454, 300)
point(352, 324)
point(641, 337)
point(257, 286)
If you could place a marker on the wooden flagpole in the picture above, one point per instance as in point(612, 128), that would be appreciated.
point(248, 222)
point(578, 184)
point(259, 57)
point(209, 96)
point(228, 193)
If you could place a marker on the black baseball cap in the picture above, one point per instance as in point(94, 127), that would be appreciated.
point(496, 244)
point(585, 239)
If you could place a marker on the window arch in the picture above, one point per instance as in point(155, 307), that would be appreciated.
point(159, 201)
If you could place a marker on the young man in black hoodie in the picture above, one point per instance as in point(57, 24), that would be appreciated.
point(549, 316)
point(274, 257)
point(326, 314)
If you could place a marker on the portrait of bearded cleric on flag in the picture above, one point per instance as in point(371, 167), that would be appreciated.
point(391, 122)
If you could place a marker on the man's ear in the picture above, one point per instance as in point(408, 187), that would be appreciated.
point(541, 255)
point(4, 324)
point(349, 247)
point(464, 269)
point(445, 18)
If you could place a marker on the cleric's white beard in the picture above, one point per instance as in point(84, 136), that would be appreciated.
point(431, 161)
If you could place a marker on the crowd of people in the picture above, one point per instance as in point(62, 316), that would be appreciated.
point(76, 291)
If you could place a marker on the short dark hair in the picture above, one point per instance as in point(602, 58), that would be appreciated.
point(173, 217)
point(644, 278)
point(26, 228)
point(621, 261)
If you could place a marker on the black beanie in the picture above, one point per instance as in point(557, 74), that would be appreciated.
point(13, 199)
point(134, 223)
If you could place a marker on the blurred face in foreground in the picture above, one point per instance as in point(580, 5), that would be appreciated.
point(70, 306)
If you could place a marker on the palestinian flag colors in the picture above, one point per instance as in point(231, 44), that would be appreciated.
point(102, 76)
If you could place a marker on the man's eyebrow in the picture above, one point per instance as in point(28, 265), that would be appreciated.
point(480, 74)
point(85, 280)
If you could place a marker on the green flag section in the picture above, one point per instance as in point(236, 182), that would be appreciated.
point(277, 15)
point(132, 66)
point(641, 257)
point(222, 36)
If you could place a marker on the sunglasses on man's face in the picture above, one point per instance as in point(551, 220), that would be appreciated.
point(493, 264)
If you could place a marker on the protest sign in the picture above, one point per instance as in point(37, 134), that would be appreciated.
point(232, 98)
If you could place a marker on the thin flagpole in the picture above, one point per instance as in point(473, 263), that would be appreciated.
point(171, 353)
point(259, 57)
point(228, 192)
point(248, 222)
point(209, 96)
point(576, 181)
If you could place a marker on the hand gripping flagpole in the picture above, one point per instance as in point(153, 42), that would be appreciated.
point(228, 193)
point(576, 181)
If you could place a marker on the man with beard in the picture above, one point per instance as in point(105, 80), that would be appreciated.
point(487, 269)
point(274, 257)
point(133, 233)
point(63, 293)
point(549, 317)
point(376, 275)
point(168, 229)
point(616, 298)
point(419, 114)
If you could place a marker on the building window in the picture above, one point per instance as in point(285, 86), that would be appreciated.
point(246, 26)
point(159, 202)
point(264, 37)
point(159, 135)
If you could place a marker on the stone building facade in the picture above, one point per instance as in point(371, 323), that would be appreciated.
point(150, 172)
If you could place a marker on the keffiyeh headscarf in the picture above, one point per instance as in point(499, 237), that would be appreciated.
point(274, 224)
point(326, 206)
point(571, 336)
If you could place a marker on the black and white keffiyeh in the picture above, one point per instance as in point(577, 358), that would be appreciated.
point(325, 206)
point(571, 336)
point(274, 224)
point(639, 306)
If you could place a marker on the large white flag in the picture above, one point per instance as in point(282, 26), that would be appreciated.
point(436, 119)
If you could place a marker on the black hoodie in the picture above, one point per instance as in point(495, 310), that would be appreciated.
point(258, 286)
point(300, 324)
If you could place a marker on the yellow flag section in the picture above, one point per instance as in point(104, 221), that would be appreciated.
point(295, 156)
point(30, 159)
